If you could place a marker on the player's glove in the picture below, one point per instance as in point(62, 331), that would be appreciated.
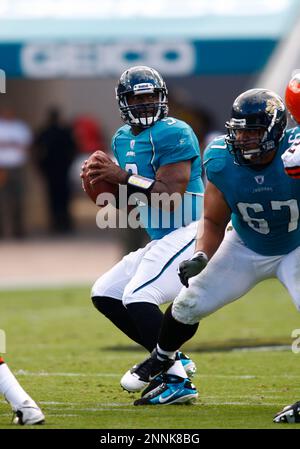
point(191, 267)
point(290, 414)
point(291, 160)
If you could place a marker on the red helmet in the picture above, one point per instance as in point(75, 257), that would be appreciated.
point(292, 97)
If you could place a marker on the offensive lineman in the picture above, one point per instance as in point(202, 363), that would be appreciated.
point(156, 154)
point(247, 184)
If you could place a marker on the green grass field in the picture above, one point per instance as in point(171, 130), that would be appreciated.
point(70, 359)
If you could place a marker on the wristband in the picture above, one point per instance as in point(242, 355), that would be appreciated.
point(137, 183)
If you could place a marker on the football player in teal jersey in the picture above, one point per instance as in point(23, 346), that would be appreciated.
point(247, 185)
point(156, 154)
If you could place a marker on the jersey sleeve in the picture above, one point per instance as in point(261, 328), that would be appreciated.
point(175, 144)
point(291, 136)
point(114, 147)
point(214, 162)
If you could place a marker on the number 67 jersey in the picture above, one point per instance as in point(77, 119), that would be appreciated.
point(265, 203)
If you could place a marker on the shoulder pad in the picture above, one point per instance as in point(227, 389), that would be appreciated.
point(215, 155)
point(118, 133)
point(169, 132)
point(171, 125)
point(215, 164)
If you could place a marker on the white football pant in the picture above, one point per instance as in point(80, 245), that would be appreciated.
point(232, 272)
point(150, 273)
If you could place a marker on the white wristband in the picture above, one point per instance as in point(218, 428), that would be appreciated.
point(140, 183)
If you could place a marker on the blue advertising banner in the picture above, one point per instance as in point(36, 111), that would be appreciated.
point(103, 59)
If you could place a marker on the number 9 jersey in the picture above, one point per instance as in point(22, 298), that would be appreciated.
point(265, 202)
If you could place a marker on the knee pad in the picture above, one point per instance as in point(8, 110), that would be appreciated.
point(184, 309)
point(97, 290)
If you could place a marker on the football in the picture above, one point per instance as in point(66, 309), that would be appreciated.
point(100, 187)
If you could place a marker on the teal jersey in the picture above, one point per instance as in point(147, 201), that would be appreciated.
point(168, 141)
point(264, 203)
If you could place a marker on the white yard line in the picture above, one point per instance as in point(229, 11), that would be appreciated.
point(221, 376)
point(77, 407)
point(247, 404)
point(45, 374)
point(262, 348)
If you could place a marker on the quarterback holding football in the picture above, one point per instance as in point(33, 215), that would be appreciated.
point(156, 155)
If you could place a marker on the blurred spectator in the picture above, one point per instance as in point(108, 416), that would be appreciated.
point(15, 138)
point(89, 137)
point(55, 151)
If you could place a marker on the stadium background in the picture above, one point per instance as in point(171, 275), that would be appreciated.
point(69, 54)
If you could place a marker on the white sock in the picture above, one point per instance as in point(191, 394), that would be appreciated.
point(167, 354)
point(10, 387)
point(177, 369)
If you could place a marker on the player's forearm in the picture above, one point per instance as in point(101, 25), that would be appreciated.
point(167, 197)
point(160, 194)
point(170, 184)
point(209, 236)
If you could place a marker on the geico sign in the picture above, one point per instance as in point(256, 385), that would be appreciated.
point(79, 60)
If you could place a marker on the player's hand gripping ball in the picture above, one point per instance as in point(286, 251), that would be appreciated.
point(101, 186)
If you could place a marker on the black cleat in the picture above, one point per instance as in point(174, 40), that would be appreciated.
point(140, 375)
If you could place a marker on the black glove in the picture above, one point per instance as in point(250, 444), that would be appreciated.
point(290, 414)
point(189, 268)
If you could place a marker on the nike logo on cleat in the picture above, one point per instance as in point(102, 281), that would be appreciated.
point(153, 377)
point(165, 399)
